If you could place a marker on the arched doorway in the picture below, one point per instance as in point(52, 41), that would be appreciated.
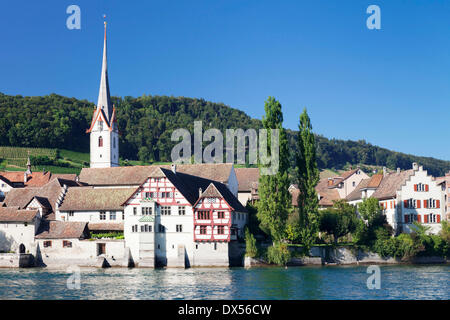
point(21, 248)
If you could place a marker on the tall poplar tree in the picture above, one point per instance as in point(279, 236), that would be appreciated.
point(275, 200)
point(307, 174)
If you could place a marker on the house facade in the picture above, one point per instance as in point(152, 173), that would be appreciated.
point(177, 219)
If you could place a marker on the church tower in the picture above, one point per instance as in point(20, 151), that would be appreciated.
point(104, 133)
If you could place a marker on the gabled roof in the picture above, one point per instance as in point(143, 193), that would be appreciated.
point(136, 175)
point(43, 202)
point(5, 180)
point(94, 199)
point(35, 179)
point(21, 197)
point(391, 183)
point(189, 186)
point(357, 193)
point(248, 178)
point(62, 230)
point(13, 214)
point(326, 195)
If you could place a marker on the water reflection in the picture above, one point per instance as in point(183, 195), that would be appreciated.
point(397, 282)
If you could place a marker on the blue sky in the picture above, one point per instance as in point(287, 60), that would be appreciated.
point(390, 87)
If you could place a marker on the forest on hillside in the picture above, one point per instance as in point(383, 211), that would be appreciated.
point(147, 122)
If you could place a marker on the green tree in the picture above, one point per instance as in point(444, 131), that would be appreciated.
point(339, 220)
point(307, 176)
point(250, 244)
point(275, 200)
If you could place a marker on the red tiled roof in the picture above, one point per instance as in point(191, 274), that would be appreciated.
point(391, 183)
point(62, 230)
point(136, 175)
point(248, 178)
point(15, 215)
point(105, 226)
point(35, 179)
point(89, 198)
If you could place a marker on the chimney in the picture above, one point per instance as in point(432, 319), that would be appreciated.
point(330, 181)
point(77, 179)
point(415, 166)
point(384, 171)
point(174, 168)
point(421, 168)
point(398, 170)
point(25, 177)
point(200, 192)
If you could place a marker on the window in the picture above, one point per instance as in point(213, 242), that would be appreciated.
point(161, 228)
point(67, 244)
point(134, 210)
point(149, 195)
point(47, 244)
point(165, 210)
point(146, 211)
point(112, 215)
point(203, 215)
point(134, 228)
point(70, 213)
point(181, 211)
point(100, 141)
point(211, 200)
point(354, 184)
point(102, 215)
point(114, 142)
point(202, 229)
point(220, 230)
point(123, 215)
point(179, 228)
point(221, 215)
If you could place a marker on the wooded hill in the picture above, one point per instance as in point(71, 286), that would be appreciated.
point(147, 122)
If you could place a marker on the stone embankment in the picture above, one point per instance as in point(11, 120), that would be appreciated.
point(320, 255)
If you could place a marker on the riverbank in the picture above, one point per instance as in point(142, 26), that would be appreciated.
point(320, 255)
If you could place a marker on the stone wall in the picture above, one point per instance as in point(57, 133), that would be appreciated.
point(15, 260)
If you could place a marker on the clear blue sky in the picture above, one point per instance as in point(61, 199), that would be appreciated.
point(390, 87)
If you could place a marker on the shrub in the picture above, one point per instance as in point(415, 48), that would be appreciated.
point(278, 254)
point(250, 245)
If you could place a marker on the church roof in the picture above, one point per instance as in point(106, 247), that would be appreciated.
point(136, 175)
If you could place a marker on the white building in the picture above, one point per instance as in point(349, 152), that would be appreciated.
point(17, 229)
point(182, 220)
point(104, 132)
point(405, 196)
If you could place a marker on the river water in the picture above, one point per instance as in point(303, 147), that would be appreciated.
point(326, 282)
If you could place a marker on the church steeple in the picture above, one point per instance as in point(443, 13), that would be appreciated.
point(104, 99)
point(104, 134)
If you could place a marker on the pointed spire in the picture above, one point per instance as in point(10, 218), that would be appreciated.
point(28, 164)
point(104, 99)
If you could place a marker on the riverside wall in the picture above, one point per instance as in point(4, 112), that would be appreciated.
point(322, 255)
